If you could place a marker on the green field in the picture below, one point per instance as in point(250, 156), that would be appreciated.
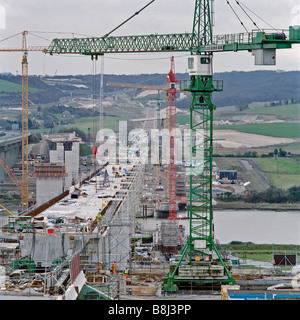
point(84, 124)
point(111, 121)
point(288, 129)
point(281, 165)
point(7, 86)
point(288, 111)
point(283, 112)
point(277, 129)
point(182, 119)
point(283, 173)
point(261, 252)
point(283, 181)
point(93, 123)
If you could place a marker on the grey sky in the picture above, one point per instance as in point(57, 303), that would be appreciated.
point(97, 17)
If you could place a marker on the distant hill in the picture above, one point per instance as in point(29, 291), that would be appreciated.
point(239, 87)
point(247, 87)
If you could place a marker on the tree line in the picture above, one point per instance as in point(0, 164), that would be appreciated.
point(272, 195)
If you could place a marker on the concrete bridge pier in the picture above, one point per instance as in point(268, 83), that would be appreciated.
point(10, 149)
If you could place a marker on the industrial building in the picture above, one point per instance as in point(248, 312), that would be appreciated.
point(228, 175)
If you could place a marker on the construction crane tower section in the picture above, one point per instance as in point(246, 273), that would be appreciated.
point(171, 80)
point(25, 49)
point(24, 124)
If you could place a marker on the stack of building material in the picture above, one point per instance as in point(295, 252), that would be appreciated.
point(200, 271)
point(143, 290)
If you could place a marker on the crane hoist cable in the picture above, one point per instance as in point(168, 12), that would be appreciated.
point(136, 13)
point(101, 97)
point(60, 32)
point(94, 63)
point(237, 16)
point(35, 35)
point(146, 59)
point(240, 3)
point(14, 35)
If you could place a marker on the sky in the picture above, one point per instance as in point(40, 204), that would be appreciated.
point(62, 18)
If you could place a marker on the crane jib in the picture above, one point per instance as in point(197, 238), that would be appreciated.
point(174, 42)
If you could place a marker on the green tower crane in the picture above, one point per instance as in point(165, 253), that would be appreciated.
point(201, 43)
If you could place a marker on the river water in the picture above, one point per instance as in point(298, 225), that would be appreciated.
point(257, 226)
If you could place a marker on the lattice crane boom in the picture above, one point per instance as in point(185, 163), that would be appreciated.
point(30, 48)
point(246, 41)
point(137, 86)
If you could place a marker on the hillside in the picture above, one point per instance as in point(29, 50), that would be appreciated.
point(239, 87)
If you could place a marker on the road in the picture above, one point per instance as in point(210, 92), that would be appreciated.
point(148, 125)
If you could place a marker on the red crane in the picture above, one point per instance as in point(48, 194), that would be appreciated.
point(171, 80)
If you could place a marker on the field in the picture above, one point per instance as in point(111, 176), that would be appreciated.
point(260, 252)
point(7, 86)
point(182, 119)
point(276, 129)
point(281, 165)
point(283, 173)
point(111, 120)
point(241, 140)
point(258, 183)
point(283, 112)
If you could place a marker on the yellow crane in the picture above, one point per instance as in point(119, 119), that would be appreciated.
point(2, 207)
point(25, 51)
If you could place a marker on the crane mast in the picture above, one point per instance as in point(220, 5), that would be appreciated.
point(201, 43)
point(171, 80)
point(202, 24)
point(24, 124)
point(25, 49)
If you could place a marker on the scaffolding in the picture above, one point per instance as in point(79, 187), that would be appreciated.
point(169, 235)
point(43, 248)
point(44, 170)
point(113, 241)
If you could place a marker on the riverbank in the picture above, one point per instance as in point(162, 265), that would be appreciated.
point(241, 205)
point(260, 252)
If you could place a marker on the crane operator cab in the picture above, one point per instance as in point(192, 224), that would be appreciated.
point(200, 65)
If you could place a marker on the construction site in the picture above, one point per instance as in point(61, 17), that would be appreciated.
point(133, 220)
